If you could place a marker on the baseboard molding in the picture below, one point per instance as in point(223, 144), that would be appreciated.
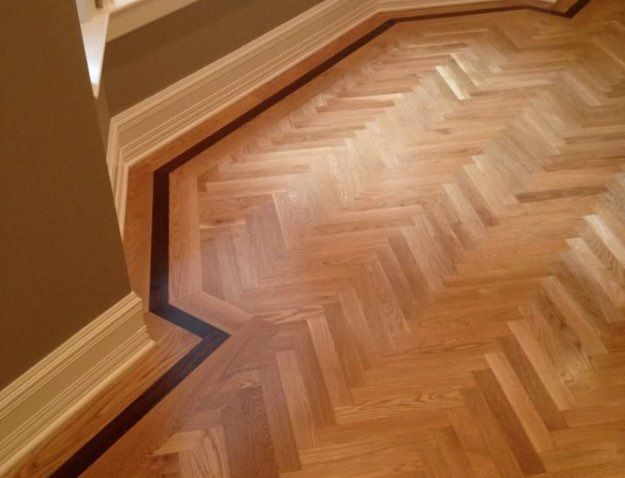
point(391, 6)
point(35, 405)
point(146, 127)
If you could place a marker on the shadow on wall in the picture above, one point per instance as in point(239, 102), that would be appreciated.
point(151, 58)
point(61, 255)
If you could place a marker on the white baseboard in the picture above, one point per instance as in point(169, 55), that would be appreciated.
point(35, 405)
point(144, 128)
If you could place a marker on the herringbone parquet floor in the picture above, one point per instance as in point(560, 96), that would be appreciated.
point(421, 257)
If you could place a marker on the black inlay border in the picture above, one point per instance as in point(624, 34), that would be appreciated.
point(213, 337)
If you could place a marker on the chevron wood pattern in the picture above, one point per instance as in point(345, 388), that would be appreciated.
point(420, 256)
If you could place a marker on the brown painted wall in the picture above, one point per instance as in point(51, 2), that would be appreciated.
point(61, 260)
point(147, 60)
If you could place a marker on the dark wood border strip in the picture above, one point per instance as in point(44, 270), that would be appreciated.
point(123, 422)
point(213, 337)
point(159, 263)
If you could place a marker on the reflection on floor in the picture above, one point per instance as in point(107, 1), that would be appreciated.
point(421, 258)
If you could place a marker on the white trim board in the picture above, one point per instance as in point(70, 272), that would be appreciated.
point(148, 126)
point(128, 15)
point(116, 18)
point(38, 403)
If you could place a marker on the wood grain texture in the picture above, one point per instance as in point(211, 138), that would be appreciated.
point(420, 257)
point(434, 229)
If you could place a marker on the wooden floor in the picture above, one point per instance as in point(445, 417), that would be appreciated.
point(421, 258)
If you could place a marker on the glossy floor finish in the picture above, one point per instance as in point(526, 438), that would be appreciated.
point(420, 256)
